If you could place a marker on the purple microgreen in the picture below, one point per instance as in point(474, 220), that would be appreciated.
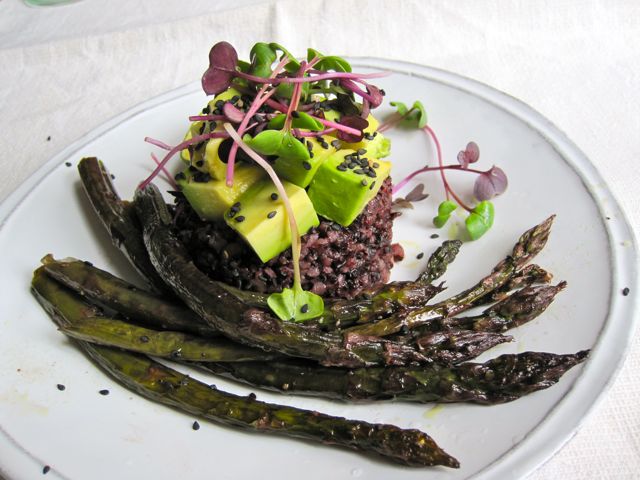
point(181, 146)
point(355, 123)
point(341, 128)
point(417, 194)
point(445, 209)
point(223, 59)
point(375, 99)
point(491, 183)
point(416, 114)
point(233, 114)
point(206, 118)
point(167, 175)
point(157, 143)
point(281, 303)
point(401, 203)
point(470, 154)
point(480, 220)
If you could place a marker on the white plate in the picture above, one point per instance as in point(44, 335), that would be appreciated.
point(82, 434)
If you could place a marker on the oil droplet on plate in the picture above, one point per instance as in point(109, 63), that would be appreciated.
point(433, 412)
point(356, 472)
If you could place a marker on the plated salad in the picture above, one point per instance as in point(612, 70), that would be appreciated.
point(271, 264)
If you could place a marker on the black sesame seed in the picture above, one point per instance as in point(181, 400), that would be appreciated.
point(382, 92)
point(348, 157)
point(235, 98)
point(231, 213)
point(364, 182)
point(304, 308)
point(200, 163)
point(295, 114)
point(435, 235)
point(271, 214)
point(342, 167)
point(309, 145)
point(251, 396)
point(180, 176)
point(274, 196)
point(240, 218)
point(359, 171)
point(195, 426)
point(362, 151)
point(420, 255)
point(375, 165)
point(310, 154)
point(306, 165)
point(336, 143)
point(372, 184)
point(46, 469)
point(202, 128)
point(61, 387)
point(88, 263)
point(220, 104)
point(144, 339)
point(49, 138)
point(113, 177)
point(104, 392)
point(206, 110)
point(236, 206)
point(371, 173)
point(192, 169)
point(324, 145)
point(625, 291)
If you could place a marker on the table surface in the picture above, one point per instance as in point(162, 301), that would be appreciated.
point(67, 69)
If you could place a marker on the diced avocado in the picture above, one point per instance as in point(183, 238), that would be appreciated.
point(345, 183)
point(206, 158)
point(261, 219)
point(301, 172)
point(210, 198)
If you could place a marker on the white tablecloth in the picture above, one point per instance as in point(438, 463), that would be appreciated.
point(67, 70)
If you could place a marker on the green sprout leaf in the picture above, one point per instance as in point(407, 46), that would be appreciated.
point(293, 64)
point(291, 148)
point(331, 62)
point(480, 219)
point(267, 142)
point(278, 142)
point(445, 209)
point(416, 113)
point(303, 120)
point(262, 58)
point(296, 305)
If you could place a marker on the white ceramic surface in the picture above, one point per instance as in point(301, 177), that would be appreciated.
point(82, 434)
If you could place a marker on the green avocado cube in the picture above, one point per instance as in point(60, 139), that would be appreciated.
point(345, 183)
point(209, 197)
point(301, 172)
point(261, 219)
point(206, 158)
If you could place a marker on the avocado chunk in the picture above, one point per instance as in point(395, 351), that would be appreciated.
point(345, 183)
point(261, 219)
point(301, 172)
point(206, 157)
point(209, 197)
point(375, 143)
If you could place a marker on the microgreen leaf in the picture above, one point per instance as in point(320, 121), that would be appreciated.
point(416, 113)
point(480, 220)
point(296, 304)
point(235, 115)
point(326, 63)
point(352, 121)
point(470, 154)
point(491, 183)
point(445, 209)
point(293, 64)
point(417, 194)
point(304, 120)
point(262, 57)
point(291, 148)
point(267, 142)
point(223, 59)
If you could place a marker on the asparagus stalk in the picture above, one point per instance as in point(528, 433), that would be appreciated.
point(164, 385)
point(254, 326)
point(116, 294)
point(529, 244)
point(82, 321)
point(516, 309)
point(118, 218)
point(439, 261)
point(502, 379)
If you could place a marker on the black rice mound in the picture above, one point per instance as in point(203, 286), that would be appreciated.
point(335, 261)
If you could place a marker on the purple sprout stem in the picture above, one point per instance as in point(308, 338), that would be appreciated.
point(157, 143)
point(398, 186)
point(299, 133)
point(206, 118)
point(167, 175)
point(351, 85)
point(316, 78)
point(181, 146)
point(447, 188)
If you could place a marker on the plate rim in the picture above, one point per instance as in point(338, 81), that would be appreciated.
point(523, 458)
